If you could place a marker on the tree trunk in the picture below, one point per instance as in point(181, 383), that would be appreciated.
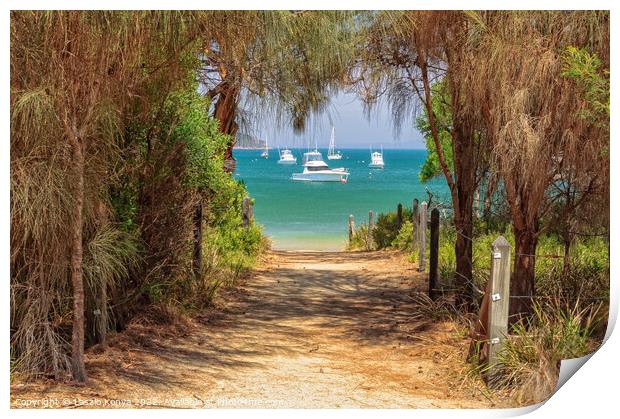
point(463, 278)
point(522, 283)
point(197, 254)
point(225, 112)
point(77, 268)
point(462, 184)
point(465, 174)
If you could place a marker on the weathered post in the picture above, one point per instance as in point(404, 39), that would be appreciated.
point(351, 227)
point(499, 300)
point(415, 220)
point(371, 226)
point(247, 212)
point(434, 257)
point(399, 217)
point(422, 237)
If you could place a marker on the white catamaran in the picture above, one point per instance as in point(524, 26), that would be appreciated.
point(376, 159)
point(332, 154)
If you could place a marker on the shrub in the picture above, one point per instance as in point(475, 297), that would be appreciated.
point(359, 240)
point(404, 239)
point(385, 230)
point(530, 357)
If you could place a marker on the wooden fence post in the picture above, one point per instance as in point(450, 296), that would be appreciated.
point(247, 212)
point(422, 237)
point(371, 226)
point(499, 301)
point(415, 220)
point(434, 257)
point(399, 217)
point(351, 227)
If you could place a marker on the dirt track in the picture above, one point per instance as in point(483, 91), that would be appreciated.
point(308, 330)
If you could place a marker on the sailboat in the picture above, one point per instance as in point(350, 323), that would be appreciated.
point(332, 154)
point(265, 153)
point(376, 159)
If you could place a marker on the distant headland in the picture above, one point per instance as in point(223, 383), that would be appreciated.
point(248, 142)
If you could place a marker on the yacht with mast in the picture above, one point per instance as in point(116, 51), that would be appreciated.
point(376, 159)
point(332, 154)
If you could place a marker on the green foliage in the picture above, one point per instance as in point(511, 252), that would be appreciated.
point(446, 261)
point(385, 230)
point(443, 117)
point(585, 69)
point(228, 248)
point(404, 239)
point(587, 274)
point(204, 142)
point(237, 247)
point(359, 241)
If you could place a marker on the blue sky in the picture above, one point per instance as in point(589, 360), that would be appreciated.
point(353, 128)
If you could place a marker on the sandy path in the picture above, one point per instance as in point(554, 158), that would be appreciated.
point(308, 330)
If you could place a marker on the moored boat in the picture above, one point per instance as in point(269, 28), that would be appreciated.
point(316, 170)
point(287, 157)
point(376, 159)
point(332, 154)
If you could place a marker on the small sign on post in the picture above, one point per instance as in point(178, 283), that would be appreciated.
point(499, 291)
point(422, 236)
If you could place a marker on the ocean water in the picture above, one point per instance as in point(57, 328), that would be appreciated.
point(314, 215)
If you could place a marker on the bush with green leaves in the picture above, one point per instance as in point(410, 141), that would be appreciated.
point(385, 230)
point(404, 238)
point(228, 247)
point(359, 241)
point(175, 162)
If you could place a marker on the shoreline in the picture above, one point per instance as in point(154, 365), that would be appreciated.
point(314, 244)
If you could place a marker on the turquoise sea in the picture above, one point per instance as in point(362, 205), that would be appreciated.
point(313, 215)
